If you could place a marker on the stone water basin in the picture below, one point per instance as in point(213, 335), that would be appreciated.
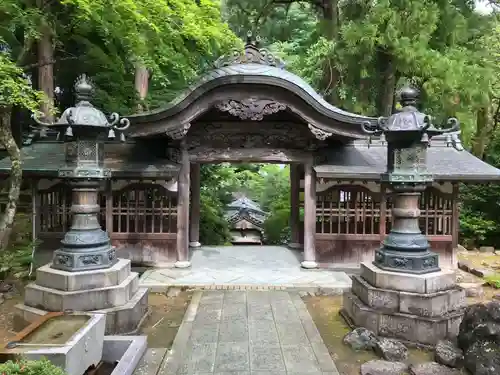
point(73, 341)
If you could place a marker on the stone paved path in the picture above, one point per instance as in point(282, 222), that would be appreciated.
point(247, 333)
point(246, 266)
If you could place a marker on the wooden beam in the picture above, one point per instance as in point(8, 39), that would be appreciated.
point(455, 216)
point(262, 155)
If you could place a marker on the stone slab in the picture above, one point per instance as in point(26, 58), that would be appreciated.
point(126, 351)
point(247, 333)
point(51, 278)
point(428, 283)
point(124, 319)
point(422, 304)
point(411, 328)
point(81, 300)
point(247, 268)
point(76, 355)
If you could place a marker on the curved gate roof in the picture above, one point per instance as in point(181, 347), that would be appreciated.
point(252, 72)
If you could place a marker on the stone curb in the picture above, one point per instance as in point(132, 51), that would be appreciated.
point(317, 290)
point(176, 354)
point(479, 272)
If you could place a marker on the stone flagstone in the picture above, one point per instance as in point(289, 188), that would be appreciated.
point(264, 266)
point(247, 333)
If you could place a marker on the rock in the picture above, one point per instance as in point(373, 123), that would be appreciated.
point(448, 354)
point(173, 292)
point(379, 367)
point(479, 338)
point(483, 358)
point(391, 350)
point(472, 289)
point(481, 272)
point(461, 249)
point(486, 249)
point(361, 339)
point(433, 368)
point(303, 293)
point(464, 265)
point(1, 299)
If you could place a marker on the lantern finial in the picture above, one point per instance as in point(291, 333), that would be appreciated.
point(83, 88)
point(408, 96)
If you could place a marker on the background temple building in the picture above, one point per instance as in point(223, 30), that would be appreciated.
point(246, 220)
point(250, 109)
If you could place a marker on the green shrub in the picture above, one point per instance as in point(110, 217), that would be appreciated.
point(25, 367)
point(15, 261)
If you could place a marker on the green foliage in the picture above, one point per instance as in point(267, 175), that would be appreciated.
point(25, 367)
point(15, 89)
point(493, 280)
point(16, 260)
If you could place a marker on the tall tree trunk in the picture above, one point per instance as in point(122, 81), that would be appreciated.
point(387, 84)
point(482, 134)
point(45, 56)
point(16, 176)
point(141, 85)
point(330, 25)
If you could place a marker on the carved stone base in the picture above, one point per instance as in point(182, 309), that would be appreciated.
point(294, 245)
point(308, 264)
point(408, 262)
point(416, 308)
point(114, 291)
point(102, 258)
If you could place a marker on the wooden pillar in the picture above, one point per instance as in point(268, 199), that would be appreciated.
point(309, 216)
point(194, 222)
point(295, 206)
point(455, 224)
point(183, 210)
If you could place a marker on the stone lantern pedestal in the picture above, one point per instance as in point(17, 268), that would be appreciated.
point(415, 308)
point(85, 274)
point(404, 294)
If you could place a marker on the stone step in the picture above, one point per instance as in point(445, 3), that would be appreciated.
point(48, 277)
point(124, 319)
point(127, 319)
point(81, 300)
point(406, 327)
point(422, 304)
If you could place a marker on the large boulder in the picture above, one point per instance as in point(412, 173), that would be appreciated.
point(379, 367)
point(391, 350)
point(479, 338)
point(361, 339)
point(433, 368)
point(448, 354)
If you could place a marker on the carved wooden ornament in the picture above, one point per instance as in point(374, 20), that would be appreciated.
point(179, 132)
point(250, 109)
point(318, 133)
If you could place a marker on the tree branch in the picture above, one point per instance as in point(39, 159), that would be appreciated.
point(45, 63)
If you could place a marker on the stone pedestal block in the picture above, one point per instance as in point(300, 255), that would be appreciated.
point(408, 327)
point(416, 308)
point(427, 283)
point(114, 291)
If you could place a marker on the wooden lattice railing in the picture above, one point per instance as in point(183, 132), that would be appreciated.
point(144, 208)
